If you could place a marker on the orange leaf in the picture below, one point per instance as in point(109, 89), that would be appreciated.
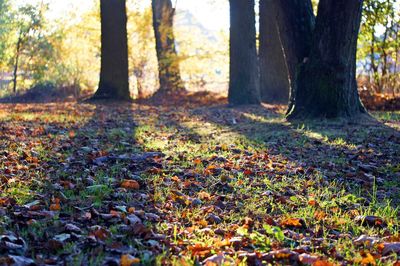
point(282, 255)
point(312, 202)
point(248, 172)
point(323, 263)
point(197, 161)
point(368, 260)
point(176, 179)
point(211, 167)
point(130, 184)
point(72, 134)
point(203, 223)
point(319, 215)
point(128, 260)
point(199, 249)
point(295, 222)
point(204, 195)
point(55, 207)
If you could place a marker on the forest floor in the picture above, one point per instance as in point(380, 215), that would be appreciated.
point(85, 184)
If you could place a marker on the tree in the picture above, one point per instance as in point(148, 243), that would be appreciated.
point(168, 61)
point(141, 60)
point(274, 80)
point(114, 75)
point(244, 72)
point(28, 23)
point(379, 45)
point(5, 20)
point(326, 85)
point(295, 20)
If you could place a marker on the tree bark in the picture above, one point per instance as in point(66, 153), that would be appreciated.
point(296, 21)
point(114, 75)
point(326, 83)
point(274, 76)
point(244, 72)
point(15, 73)
point(168, 61)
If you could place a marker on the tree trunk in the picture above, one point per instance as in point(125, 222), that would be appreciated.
point(114, 75)
point(326, 83)
point(296, 21)
point(168, 61)
point(244, 73)
point(15, 74)
point(274, 76)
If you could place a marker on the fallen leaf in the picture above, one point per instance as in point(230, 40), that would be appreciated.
point(307, 259)
point(204, 195)
point(390, 248)
point(293, 222)
point(130, 184)
point(370, 220)
point(368, 260)
point(128, 260)
point(366, 240)
point(72, 134)
point(323, 263)
point(200, 250)
point(100, 233)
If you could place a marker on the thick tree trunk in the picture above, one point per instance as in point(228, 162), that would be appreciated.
point(296, 21)
point(274, 76)
point(114, 75)
point(168, 61)
point(326, 83)
point(244, 73)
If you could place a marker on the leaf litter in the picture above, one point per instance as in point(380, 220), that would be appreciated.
point(129, 185)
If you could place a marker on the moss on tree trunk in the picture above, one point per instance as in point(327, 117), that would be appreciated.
point(326, 85)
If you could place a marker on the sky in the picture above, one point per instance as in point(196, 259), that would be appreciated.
point(213, 14)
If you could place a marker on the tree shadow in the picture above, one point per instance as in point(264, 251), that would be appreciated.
point(89, 203)
point(361, 155)
point(88, 159)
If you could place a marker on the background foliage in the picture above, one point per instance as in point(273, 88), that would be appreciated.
point(65, 51)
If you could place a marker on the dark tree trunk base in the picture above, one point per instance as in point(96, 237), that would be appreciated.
point(326, 93)
point(97, 97)
point(359, 119)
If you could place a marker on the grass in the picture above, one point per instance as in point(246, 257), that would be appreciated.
point(232, 181)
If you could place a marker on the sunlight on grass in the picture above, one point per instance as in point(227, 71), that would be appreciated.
point(258, 184)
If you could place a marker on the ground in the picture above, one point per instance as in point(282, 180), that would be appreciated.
point(122, 184)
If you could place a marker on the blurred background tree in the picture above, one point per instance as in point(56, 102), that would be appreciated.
point(378, 53)
point(62, 47)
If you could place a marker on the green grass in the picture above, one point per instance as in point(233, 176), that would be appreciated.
point(253, 174)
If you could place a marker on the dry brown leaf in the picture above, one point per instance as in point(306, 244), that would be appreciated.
point(307, 258)
point(130, 184)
